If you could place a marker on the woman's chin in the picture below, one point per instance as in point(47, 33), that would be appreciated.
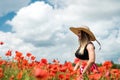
point(79, 38)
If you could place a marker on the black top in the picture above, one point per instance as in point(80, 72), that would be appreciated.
point(83, 56)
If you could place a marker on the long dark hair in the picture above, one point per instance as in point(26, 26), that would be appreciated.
point(85, 38)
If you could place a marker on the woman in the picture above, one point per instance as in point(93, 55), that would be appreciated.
point(86, 49)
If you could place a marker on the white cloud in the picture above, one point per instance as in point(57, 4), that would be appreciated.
point(36, 21)
point(12, 5)
point(45, 30)
point(14, 43)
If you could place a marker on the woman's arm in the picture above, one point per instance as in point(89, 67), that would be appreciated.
point(91, 52)
point(76, 66)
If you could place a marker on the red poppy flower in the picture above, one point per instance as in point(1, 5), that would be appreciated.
point(43, 60)
point(19, 76)
point(108, 64)
point(28, 54)
point(61, 76)
point(33, 57)
point(1, 43)
point(18, 54)
point(8, 53)
point(39, 73)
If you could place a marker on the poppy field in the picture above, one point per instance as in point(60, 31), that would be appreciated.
point(26, 67)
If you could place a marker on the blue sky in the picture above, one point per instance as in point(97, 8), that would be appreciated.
point(8, 16)
point(42, 27)
point(3, 26)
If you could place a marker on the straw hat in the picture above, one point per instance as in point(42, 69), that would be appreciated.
point(85, 29)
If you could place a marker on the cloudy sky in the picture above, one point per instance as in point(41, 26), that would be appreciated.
point(42, 27)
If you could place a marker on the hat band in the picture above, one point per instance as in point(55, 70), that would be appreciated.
point(99, 44)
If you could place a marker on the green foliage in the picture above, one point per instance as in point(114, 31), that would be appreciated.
point(98, 64)
point(116, 66)
point(13, 71)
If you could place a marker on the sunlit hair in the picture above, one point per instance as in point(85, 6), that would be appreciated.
point(85, 38)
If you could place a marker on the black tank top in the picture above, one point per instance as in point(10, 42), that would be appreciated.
point(83, 56)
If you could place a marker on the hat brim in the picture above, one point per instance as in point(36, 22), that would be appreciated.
point(75, 31)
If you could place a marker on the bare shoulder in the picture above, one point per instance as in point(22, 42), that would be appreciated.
point(90, 46)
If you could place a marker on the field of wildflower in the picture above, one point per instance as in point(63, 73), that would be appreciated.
point(21, 67)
